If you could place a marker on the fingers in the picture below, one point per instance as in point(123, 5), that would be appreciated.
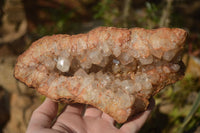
point(74, 108)
point(138, 121)
point(70, 111)
point(70, 120)
point(135, 125)
point(107, 118)
point(43, 116)
point(93, 112)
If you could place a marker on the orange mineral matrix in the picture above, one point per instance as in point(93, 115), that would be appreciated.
point(116, 70)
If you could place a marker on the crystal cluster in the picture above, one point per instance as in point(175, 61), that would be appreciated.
point(116, 70)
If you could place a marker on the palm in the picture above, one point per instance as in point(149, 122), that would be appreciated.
point(71, 120)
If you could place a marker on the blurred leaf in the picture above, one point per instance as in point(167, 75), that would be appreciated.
point(183, 88)
point(190, 115)
point(118, 125)
point(107, 10)
point(101, 8)
point(153, 15)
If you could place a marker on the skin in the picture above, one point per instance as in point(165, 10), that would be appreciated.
point(71, 120)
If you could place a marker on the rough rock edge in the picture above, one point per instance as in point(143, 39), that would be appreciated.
point(70, 99)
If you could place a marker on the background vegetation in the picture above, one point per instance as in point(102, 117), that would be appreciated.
point(24, 21)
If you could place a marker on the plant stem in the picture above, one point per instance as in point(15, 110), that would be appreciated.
point(194, 108)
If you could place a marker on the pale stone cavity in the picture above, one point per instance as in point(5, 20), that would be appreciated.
point(97, 68)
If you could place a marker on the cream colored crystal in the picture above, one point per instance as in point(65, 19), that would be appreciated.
point(114, 69)
point(63, 64)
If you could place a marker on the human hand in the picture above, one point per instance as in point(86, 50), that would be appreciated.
point(71, 120)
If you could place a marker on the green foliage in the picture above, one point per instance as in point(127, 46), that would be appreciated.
point(152, 16)
point(118, 125)
point(183, 108)
point(101, 8)
point(110, 12)
point(176, 95)
point(183, 88)
point(106, 10)
point(152, 12)
point(42, 98)
point(177, 20)
point(59, 22)
point(193, 110)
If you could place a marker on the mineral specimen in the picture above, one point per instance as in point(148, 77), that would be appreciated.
point(116, 70)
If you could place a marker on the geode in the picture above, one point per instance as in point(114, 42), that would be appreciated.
point(116, 70)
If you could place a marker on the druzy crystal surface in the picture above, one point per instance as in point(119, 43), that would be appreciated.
point(116, 70)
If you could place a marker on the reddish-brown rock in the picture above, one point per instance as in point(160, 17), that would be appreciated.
point(116, 70)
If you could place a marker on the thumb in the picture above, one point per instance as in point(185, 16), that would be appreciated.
point(137, 122)
point(43, 116)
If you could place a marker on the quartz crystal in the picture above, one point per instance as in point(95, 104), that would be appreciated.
point(63, 64)
point(114, 69)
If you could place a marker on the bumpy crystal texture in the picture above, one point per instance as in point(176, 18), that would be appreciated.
point(116, 70)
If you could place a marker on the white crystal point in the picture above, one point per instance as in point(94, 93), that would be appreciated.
point(116, 51)
point(95, 56)
point(63, 64)
point(175, 67)
point(80, 72)
point(86, 64)
point(128, 85)
point(126, 58)
point(146, 61)
point(169, 55)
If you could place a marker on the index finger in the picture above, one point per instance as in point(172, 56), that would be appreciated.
point(43, 116)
